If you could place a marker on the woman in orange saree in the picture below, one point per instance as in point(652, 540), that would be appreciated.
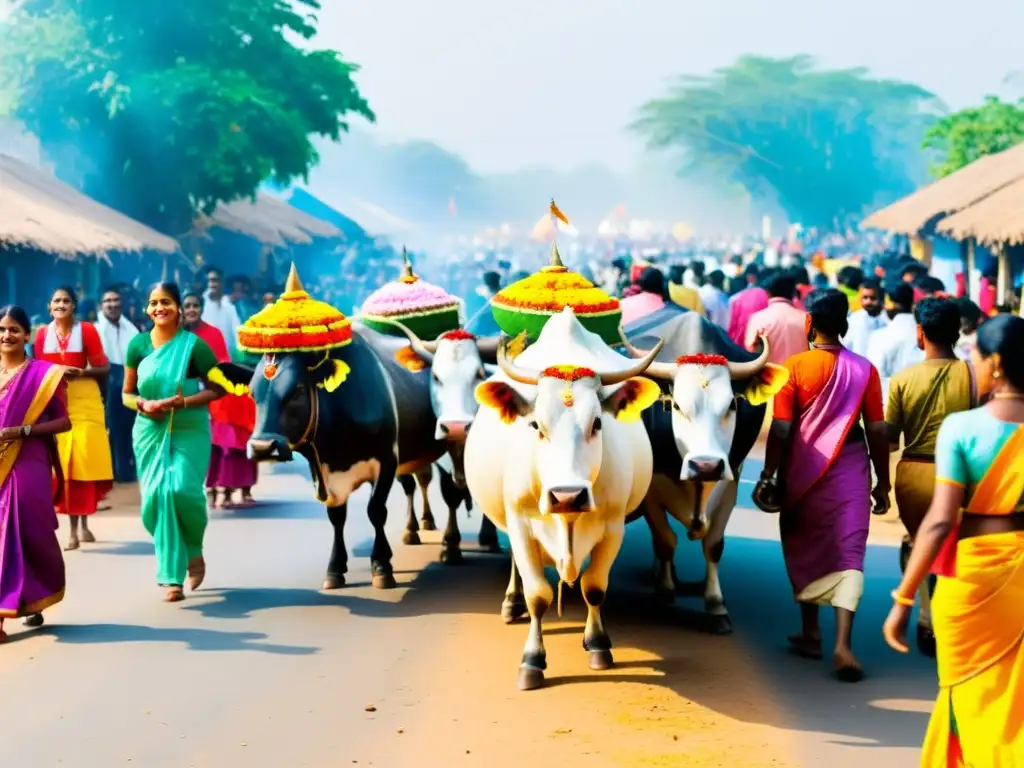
point(973, 538)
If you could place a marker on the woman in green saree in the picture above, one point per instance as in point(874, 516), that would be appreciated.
point(163, 372)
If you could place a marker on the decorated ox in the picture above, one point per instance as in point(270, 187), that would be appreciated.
point(456, 360)
point(374, 425)
point(556, 459)
point(710, 418)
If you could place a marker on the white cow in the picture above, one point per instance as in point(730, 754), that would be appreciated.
point(557, 459)
point(456, 360)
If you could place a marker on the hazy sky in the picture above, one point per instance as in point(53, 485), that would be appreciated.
point(529, 82)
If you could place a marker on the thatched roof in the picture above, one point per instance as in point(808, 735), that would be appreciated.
point(998, 218)
point(268, 220)
point(951, 194)
point(39, 211)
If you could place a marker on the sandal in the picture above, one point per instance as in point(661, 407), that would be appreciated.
point(196, 572)
point(174, 594)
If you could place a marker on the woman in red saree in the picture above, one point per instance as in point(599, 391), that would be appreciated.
point(232, 417)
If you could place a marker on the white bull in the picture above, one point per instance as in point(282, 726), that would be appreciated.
point(557, 459)
point(456, 360)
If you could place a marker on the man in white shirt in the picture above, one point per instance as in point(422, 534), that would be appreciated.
point(897, 348)
point(866, 320)
point(715, 300)
point(219, 312)
point(116, 332)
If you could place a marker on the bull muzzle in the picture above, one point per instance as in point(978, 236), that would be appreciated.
point(703, 469)
point(268, 448)
point(569, 499)
point(453, 430)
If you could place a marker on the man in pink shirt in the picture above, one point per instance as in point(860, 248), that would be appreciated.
point(783, 324)
point(745, 303)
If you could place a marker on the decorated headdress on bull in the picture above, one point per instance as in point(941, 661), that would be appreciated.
point(297, 322)
point(526, 305)
point(427, 310)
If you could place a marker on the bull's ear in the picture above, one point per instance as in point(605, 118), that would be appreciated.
point(501, 397)
point(630, 400)
point(408, 358)
point(766, 384)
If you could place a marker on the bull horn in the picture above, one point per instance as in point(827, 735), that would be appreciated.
point(615, 377)
point(746, 370)
point(665, 371)
point(512, 370)
point(424, 349)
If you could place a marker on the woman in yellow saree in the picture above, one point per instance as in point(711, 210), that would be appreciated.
point(973, 538)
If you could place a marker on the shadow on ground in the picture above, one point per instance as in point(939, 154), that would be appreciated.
point(193, 639)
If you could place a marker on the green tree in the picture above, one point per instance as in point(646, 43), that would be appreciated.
point(825, 143)
point(962, 137)
point(164, 109)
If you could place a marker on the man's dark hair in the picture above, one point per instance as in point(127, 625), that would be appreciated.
point(912, 268)
point(828, 309)
point(930, 284)
point(752, 270)
point(939, 319)
point(697, 267)
point(799, 274)
point(717, 279)
point(970, 314)
point(902, 296)
point(652, 281)
point(112, 289)
point(676, 272)
point(872, 284)
point(217, 271)
point(492, 280)
point(850, 276)
point(781, 286)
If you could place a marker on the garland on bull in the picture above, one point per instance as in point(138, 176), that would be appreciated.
point(528, 304)
point(702, 359)
point(298, 323)
point(569, 373)
point(427, 310)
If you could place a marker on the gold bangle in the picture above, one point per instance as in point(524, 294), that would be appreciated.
point(906, 602)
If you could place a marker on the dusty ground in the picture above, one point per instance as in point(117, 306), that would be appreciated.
point(261, 669)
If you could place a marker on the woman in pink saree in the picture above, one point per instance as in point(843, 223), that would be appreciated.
point(32, 411)
point(830, 404)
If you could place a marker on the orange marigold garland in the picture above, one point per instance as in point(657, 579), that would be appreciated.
point(296, 322)
point(569, 373)
point(702, 359)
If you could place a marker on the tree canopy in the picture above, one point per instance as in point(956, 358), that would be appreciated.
point(962, 137)
point(824, 143)
point(164, 109)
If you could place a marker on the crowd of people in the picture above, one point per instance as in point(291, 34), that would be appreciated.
point(881, 359)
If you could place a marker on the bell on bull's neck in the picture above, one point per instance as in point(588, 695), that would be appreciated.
point(293, 284)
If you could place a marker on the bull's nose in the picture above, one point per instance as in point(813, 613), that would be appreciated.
point(569, 499)
point(706, 469)
point(455, 430)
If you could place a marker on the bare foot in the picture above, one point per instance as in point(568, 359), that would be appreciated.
point(72, 544)
point(847, 668)
point(196, 572)
point(87, 536)
point(804, 646)
point(174, 595)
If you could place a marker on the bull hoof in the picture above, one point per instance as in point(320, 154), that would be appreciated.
point(926, 641)
point(334, 582)
point(512, 610)
point(530, 678)
point(601, 660)
point(411, 538)
point(451, 555)
point(428, 524)
point(384, 581)
point(721, 625)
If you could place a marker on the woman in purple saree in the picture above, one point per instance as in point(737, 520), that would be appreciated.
point(32, 411)
point(826, 496)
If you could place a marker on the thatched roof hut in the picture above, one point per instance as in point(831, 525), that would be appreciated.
point(39, 211)
point(998, 218)
point(951, 194)
point(268, 220)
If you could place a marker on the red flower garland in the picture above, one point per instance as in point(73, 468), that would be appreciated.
point(702, 359)
point(568, 373)
point(458, 335)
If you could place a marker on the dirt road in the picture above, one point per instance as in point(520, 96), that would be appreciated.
point(261, 669)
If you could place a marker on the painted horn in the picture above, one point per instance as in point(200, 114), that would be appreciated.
point(663, 371)
point(510, 369)
point(424, 349)
point(615, 377)
point(746, 370)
